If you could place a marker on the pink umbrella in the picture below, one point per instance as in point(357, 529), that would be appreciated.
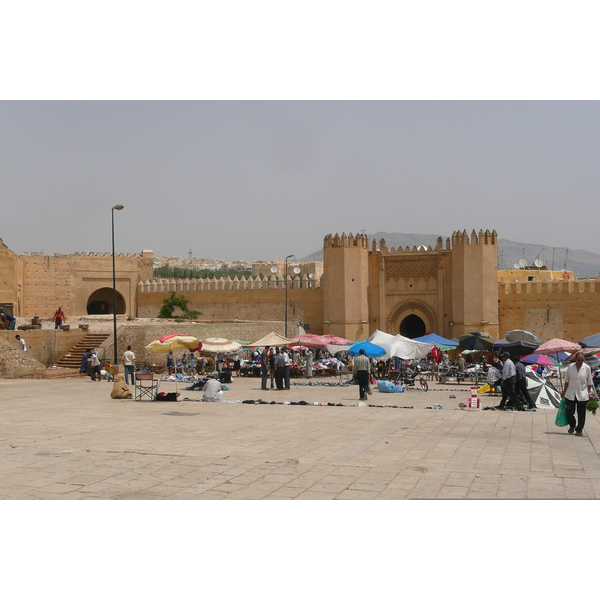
point(556, 345)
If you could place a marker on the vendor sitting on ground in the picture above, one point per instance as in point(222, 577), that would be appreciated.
point(120, 388)
point(212, 390)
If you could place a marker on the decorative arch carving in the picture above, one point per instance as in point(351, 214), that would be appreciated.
point(422, 307)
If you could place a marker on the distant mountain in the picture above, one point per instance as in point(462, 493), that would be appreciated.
point(581, 262)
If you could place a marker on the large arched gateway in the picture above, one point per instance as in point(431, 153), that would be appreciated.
point(412, 318)
point(101, 302)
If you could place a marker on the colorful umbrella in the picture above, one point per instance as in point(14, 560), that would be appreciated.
point(590, 355)
point(176, 341)
point(540, 359)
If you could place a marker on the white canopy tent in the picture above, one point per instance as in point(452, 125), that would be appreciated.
point(400, 346)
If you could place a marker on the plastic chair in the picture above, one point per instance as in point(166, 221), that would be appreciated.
point(145, 386)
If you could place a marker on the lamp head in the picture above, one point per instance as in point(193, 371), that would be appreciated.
point(118, 207)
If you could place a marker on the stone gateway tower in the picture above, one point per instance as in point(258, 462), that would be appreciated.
point(345, 284)
point(448, 290)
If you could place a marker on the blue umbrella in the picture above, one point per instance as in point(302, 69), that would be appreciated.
point(371, 350)
point(592, 341)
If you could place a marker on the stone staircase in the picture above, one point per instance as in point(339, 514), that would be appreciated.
point(72, 359)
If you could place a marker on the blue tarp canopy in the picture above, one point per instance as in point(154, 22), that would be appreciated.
point(371, 350)
point(436, 340)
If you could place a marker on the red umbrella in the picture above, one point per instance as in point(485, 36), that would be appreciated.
point(337, 341)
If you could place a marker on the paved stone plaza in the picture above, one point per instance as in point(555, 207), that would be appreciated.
point(67, 439)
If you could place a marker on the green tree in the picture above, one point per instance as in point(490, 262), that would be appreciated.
point(174, 301)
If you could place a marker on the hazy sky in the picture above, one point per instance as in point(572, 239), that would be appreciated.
point(256, 180)
point(259, 180)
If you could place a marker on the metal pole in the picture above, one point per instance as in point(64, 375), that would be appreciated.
point(286, 294)
point(114, 274)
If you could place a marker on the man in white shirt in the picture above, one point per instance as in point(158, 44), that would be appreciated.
point(509, 377)
point(212, 391)
point(21, 343)
point(129, 364)
point(579, 386)
point(288, 369)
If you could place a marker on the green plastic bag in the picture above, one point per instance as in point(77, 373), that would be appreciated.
point(561, 416)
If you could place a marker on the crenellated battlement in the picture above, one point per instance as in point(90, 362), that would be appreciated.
point(341, 241)
point(227, 283)
point(459, 238)
point(383, 249)
point(462, 238)
point(552, 286)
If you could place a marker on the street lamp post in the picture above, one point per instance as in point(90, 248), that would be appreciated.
point(286, 292)
point(115, 356)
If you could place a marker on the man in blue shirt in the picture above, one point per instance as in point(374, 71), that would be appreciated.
point(521, 384)
point(509, 377)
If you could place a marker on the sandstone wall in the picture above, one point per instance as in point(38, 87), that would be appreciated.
point(44, 345)
point(304, 305)
point(16, 363)
point(564, 309)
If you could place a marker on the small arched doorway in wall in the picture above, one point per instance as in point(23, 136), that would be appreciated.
point(412, 326)
point(101, 302)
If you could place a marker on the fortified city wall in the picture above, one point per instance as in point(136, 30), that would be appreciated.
point(565, 309)
point(81, 283)
point(227, 299)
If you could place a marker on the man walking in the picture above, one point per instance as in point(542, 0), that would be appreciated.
point(521, 384)
point(362, 373)
point(129, 364)
point(21, 343)
point(264, 367)
point(509, 376)
point(579, 386)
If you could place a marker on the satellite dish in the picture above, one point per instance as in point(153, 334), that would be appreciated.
point(517, 266)
point(273, 269)
point(538, 263)
point(311, 275)
point(296, 270)
point(523, 263)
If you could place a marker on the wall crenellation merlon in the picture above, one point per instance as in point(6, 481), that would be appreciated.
point(226, 283)
point(570, 286)
point(462, 238)
point(338, 241)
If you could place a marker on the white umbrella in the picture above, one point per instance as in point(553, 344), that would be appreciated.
point(542, 392)
point(219, 346)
